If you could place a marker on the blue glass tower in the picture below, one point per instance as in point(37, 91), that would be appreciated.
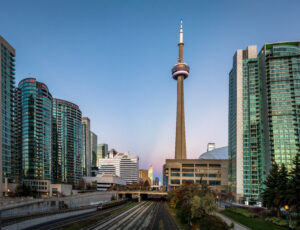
point(35, 124)
point(67, 142)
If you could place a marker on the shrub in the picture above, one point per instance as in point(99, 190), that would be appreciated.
point(211, 223)
point(276, 220)
point(280, 222)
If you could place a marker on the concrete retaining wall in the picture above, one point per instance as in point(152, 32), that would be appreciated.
point(54, 203)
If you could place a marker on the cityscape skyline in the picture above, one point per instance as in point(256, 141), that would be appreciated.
point(119, 95)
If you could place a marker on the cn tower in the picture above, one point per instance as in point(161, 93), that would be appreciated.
point(180, 72)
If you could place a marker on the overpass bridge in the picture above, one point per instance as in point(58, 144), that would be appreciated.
point(141, 194)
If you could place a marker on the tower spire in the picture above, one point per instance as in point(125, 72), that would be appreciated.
point(180, 44)
point(181, 33)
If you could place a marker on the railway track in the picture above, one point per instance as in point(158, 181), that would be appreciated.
point(143, 220)
point(72, 220)
point(142, 216)
point(119, 220)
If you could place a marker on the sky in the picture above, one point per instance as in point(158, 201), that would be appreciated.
point(113, 58)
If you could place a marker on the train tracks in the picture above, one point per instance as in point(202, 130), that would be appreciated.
point(74, 219)
point(137, 217)
point(146, 215)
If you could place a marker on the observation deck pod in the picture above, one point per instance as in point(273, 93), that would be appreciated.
point(180, 68)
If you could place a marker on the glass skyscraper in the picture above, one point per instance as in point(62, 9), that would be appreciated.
point(34, 131)
point(102, 152)
point(86, 150)
point(7, 80)
point(264, 111)
point(67, 142)
point(93, 147)
point(280, 63)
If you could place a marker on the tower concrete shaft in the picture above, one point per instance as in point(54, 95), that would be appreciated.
point(180, 144)
point(180, 71)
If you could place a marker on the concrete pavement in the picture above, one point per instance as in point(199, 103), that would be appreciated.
point(237, 226)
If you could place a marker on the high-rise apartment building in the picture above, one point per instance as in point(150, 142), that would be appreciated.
point(86, 150)
point(264, 103)
point(102, 152)
point(34, 129)
point(7, 80)
point(93, 147)
point(123, 165)
point(66, 142)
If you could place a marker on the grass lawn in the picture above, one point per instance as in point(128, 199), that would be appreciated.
point(84, 223)
point(181, 225)
point(252, 223)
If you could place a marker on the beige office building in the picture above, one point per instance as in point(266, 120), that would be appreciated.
point(211, 168)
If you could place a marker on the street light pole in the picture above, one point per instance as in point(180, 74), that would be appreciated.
point(286, 207)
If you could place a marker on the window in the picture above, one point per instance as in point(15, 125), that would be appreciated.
point(201, 175)
point(175, 181)
point(214, 182)
point(187, 170)
point(175, 174)
point(175, 170)
point(188, 174)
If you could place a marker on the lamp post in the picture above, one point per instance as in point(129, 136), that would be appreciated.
point(286, 207)
point(217, 200)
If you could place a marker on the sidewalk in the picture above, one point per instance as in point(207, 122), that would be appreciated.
point(237, 226)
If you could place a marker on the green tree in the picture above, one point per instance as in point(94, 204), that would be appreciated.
point(182, 199)
point(282, 186)
point(202, 206)
point(270, 194)
point(293, 193)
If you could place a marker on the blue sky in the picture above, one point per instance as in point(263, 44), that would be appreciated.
point(114, 59)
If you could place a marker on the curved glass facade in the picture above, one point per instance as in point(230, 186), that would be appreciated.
point(35, 102)
point(67, 142)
